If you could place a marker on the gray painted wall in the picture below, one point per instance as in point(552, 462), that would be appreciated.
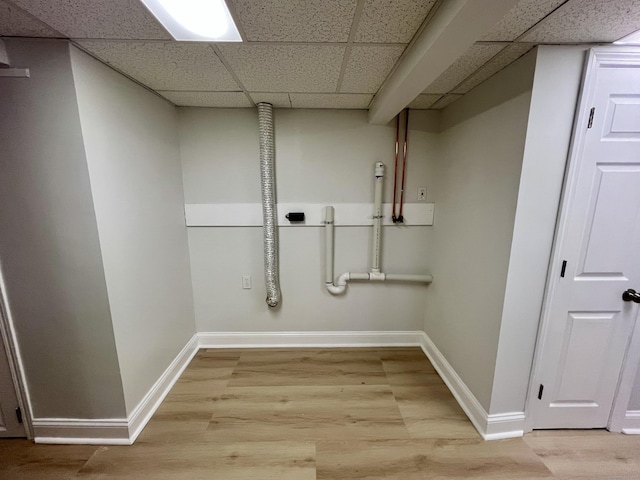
point(131, 141)
point(476, 187)
point(49, 243)
point(321, 156)
point(557, 81)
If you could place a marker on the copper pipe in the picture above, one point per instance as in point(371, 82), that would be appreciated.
point(404, 162)
point(395, 169)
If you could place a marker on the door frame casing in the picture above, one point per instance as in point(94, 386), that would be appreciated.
point(596, 57)
point(16, 366)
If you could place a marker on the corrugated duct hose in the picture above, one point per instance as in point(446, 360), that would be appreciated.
point(269, 213)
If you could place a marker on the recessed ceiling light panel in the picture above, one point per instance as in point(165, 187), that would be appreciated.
point(195, 20)
point(631, 39)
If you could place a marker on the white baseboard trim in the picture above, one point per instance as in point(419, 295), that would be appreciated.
point(125, 431)
point(308, 339)
point(108, 431)
point(120, 431)
point(504, 425)
point(490, 427)
point(141, 415)
point(632, 422)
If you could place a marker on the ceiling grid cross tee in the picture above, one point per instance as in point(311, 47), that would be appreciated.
point(354, 25)
point(321, 53)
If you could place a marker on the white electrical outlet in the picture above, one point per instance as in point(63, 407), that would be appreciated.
point(246, 282)
point(422, 194)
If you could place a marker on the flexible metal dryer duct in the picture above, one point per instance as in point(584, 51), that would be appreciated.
point(269, 213)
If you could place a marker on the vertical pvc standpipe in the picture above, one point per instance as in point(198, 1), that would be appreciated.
point(341, 284)
point(328, 244)
point(377, 219)
point(269, 213)
point(375, 274)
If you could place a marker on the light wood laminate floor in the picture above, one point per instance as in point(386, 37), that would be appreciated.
point(366, 413)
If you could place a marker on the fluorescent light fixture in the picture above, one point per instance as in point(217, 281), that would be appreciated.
point(632, 39)
point(195, 20)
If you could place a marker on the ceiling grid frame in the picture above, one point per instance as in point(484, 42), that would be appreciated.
point(219, 54)
point(118, 21)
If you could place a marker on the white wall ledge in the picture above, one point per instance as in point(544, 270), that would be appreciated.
point(347, 214)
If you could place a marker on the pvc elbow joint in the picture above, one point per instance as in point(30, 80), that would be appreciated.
point(334, 289)
point(340, 286)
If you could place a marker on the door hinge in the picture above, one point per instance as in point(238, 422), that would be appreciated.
point(19, 414)
point(564, 268)
point(591, 114)
point(540, 392)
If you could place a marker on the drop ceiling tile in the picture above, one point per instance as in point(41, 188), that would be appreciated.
point(14, 22)
point(331, 100)
point(580, 21)
point(391, 21)
point(445, 101)
point(423, 101)
point(295, 21)
point(469, 62)
point(278, 100)
point(166, 65)
point(368, 66)
point(93, 19)
point(497, 63)
point(207, 99)
point(520, 18)
point(285, 68)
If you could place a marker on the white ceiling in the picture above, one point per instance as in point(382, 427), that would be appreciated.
point(307, 53)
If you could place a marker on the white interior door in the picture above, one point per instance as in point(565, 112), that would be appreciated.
point(9, 424)
point(587, 326)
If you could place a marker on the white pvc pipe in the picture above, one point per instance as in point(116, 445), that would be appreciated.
point(377, 218)
point(400, 277)
point(328, 245)
point(340, 286)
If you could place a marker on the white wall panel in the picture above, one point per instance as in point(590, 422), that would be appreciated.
point(131, 141)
